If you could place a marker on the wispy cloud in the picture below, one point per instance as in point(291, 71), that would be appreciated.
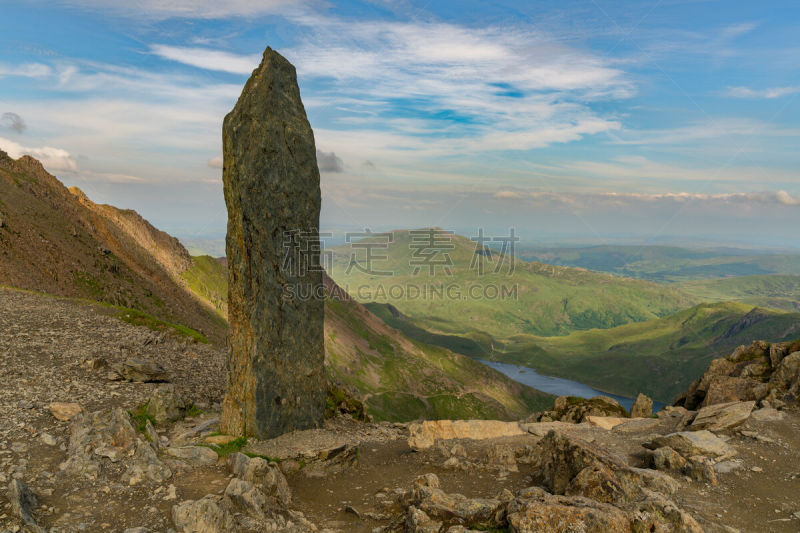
point(774, 92)
point(461, 90)
point(25, 70)
point(199, 9)
point(208, 59)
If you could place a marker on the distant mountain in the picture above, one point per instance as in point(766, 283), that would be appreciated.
point(58, 241)
point(776, 291)
point(459, 300)
point(665, 263)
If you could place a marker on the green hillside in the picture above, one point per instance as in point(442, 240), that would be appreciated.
point(660, 357)
point(402, 380)
point(540, 299)
point(665, 263)
point(398, 379)
point(208, 278)
point(775, 291)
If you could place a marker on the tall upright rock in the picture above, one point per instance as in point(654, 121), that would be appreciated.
point(276, 376)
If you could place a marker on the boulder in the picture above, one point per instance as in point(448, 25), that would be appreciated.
point(141, 370)
point(769, 374)
point(96, 436)
point(560, 459)
point(246, 497)
point(276, 375)
point(689, 443)
point(194, 455)
point(657, 513)
point(722, 416)
point(64, 411)
point(597, 482)
point(544, 513)
point(206, 515)
point(666, 459)
point(576, 410)
point(165, 405)
point(642, 407)
point(146, 466)
point(267, 476)
point(423, 435)
point(502, 456)
point(437, 504)
point(23, 502)
point(419, 522)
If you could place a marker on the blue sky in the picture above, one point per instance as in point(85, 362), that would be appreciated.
point(571, 120)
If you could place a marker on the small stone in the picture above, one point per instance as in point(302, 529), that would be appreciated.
point(48, 439)
point(64, 411)
point(142, 370)
point(756, 469)
point(196, 455)
point(23, 502)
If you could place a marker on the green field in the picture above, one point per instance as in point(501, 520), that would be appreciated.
point(775, 291)
point(541, 299)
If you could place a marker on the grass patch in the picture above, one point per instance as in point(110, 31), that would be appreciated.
point(140, 418)
point(138, 318)
point(193, 410)
point(224, 450)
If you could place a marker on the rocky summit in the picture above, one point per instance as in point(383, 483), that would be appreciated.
point(276, 380)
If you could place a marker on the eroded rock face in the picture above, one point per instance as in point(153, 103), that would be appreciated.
point(768, 374)
point(276, 380)
point(576, 410)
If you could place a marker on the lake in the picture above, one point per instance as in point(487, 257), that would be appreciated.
point(558, 386)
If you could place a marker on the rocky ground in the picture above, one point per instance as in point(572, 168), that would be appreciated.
point(73, 458)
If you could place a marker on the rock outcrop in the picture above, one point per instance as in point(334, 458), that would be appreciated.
point(768, 374)
point(425, 434)
point(576, 410)
point(276, 380)
point(642, 407)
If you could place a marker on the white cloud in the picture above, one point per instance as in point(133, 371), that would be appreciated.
point(201, 9)
point(53, 159)
point(785, 198)
point(208, 59)
point(769, 93)
point(215, 162)
point(507, 195)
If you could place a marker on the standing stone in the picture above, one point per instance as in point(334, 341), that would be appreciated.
point(276, 380)
point(642, 407)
